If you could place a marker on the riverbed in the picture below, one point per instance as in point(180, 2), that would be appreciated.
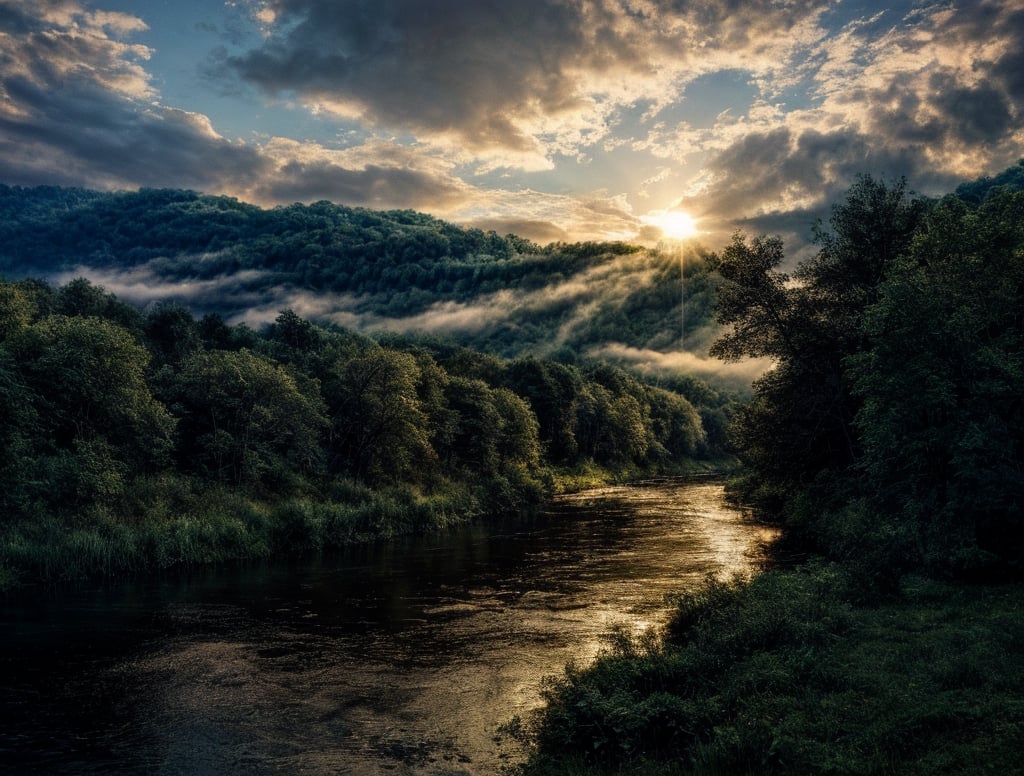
point(398, 658)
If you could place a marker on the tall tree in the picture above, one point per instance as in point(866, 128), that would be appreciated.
point(96, 422)
point(245, 420)
point(799, 425)
point(378, 430)
point(942, 418)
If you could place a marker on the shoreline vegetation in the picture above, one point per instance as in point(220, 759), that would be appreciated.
point(887, 444)
point(179, 523)
point(147, 435)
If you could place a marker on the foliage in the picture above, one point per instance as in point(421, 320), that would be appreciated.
point(889, 436)
point(890, 430)
point(116, 427)
point(793, 673)
point(798, 427)
point(975, 192)
point(941, 421)
point(244, 420)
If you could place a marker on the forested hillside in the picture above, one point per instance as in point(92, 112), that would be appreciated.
point(371, 271)
point(133, 439)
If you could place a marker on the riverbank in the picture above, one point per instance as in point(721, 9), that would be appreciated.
point(383, 658)
point(171, 520)
point(798, 671)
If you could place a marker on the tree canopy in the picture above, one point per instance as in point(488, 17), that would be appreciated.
point(890, 427)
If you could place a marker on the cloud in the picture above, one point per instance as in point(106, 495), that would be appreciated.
point(539, 231)
point(507, 115)
point(682, 362)
point(77, 106)
point(376, 174)
point(938, 99)
point(144, 284)
point(594, 217)
point(529, 78)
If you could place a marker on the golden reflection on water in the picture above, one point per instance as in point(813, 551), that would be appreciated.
point(407, 659)
point(682, 535)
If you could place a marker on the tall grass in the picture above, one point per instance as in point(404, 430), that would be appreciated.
point(167, 521)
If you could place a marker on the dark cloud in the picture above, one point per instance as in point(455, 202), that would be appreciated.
point(979, 114)
point(782, 182)
point(955, 107)
point(14, 21)
point(946, 88)
point(75, 131)
point(540, 232)
point(468, 66)
point(483, 70)
point(374, 186)
point(77, 108)
point(1008, 71)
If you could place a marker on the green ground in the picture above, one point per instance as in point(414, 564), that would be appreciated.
point(798, 673)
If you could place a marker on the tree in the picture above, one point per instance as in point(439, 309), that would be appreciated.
point(378, 430)
point(16, 310)
point(676, 426)
point(172, 333)
point(81, 298)
point(518, 440)
point(19, 435)
point(90, 418)
point(474, 443)
point(88, 379)
point(798, 429)
point(551, 390)
point(245, 420)
point(942, 420)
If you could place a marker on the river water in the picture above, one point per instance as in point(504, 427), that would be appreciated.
point(401, 658)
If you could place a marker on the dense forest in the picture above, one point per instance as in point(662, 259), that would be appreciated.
point(888, 442)
point(482, 388)
point(135, 439)
point(366, 270)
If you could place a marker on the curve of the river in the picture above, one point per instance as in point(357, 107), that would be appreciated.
point(402, 658)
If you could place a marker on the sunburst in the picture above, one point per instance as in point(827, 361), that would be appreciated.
point(674, 224)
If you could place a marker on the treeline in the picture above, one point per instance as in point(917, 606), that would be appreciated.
point(130, 439)
point(888, 442)
point(385, 265)
point(409, 257)
point(891, 431)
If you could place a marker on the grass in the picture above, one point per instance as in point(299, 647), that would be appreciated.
point(590, 475)
point(794, 672)
point(169, 521)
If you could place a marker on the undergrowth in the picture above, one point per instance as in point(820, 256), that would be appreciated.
point(795, 672)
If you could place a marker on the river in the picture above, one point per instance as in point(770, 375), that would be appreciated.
point(399, 658)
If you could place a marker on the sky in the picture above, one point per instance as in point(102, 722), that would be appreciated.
point(553, 119)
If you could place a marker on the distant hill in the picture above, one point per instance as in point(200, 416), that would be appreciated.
point(373, 271)
point(399, 272)
point(977, 190)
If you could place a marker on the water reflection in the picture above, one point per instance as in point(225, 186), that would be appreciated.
point(403, 658)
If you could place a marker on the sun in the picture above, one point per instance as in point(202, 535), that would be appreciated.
point(674, 224)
